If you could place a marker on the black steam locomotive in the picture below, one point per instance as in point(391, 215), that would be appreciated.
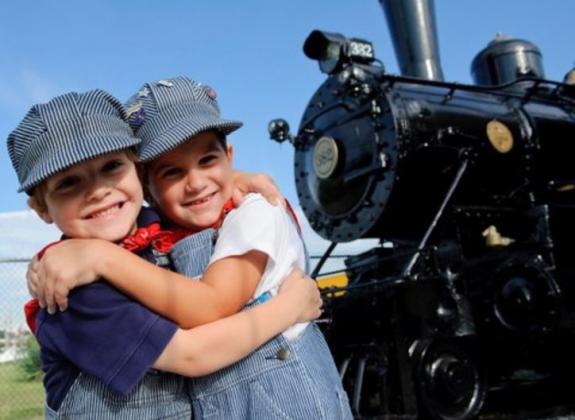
point(468, 305)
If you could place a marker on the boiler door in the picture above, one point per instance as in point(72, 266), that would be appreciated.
point(345, 163)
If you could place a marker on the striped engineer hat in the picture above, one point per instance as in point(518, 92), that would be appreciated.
point(166, 113)
point(67, 130)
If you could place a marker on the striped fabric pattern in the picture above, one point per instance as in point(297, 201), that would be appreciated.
point(280, 380)
point(159, 395)
point(166, 113)
point(67, 130)
point(191, 254)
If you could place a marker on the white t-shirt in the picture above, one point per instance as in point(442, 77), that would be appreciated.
point(258, 225)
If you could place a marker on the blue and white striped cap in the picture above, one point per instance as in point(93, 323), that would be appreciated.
point(67, 130)
point(166, 113)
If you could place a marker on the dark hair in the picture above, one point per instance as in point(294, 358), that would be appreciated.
point(221, 139)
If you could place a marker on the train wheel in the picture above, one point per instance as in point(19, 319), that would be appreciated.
point(450, 383)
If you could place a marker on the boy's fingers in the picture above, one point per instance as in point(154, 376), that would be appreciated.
point(269, 189)
point(34, 263)
point(237, 197)
point(274, 197)
point(61, 297)
point(41, 300)
point(49, 297)
point(281, 200)
point(62, 303)
point(50, 307)
point(40, 295)
point(32, 280)
point(32, 283)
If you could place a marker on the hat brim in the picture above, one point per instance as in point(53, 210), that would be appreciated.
point(53, 161)
point(183, 131)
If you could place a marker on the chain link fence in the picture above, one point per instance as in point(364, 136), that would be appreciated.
point(21, 390)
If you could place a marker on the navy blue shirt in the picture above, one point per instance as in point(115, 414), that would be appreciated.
point(103, 333)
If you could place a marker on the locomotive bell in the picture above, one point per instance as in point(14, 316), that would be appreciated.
point(506, 60)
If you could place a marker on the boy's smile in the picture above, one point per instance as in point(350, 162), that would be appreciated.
point(200, 203)
point(192, 183)
point(106, 213)
point(99, 198)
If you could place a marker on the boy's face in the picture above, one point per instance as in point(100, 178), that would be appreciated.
point(100, 198)
point(192, 183)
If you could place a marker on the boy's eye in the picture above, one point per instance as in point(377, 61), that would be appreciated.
point(112, 166)
point(170, 173)
point(67, 184)
point(208, 159)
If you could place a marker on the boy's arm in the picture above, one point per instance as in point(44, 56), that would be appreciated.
point(189, 303)
point(208, 348)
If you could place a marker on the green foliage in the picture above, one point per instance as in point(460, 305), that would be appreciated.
point(30, 364)
point(19, 399)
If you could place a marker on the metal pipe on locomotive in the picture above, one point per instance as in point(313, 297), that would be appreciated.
point(469, 301)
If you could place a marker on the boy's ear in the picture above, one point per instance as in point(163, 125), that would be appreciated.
point(230, 153)
point(148, 197)
point(143, 174)
point(40, 209)
point(141, 170)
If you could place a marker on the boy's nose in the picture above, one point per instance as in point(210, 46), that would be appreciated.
point(194, 182)
point(98, 190)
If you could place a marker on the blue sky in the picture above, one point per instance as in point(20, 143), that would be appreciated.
point(250, 51)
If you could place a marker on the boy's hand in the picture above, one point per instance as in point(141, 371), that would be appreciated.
point(305, 294)
point(245, 183)
point(32, 280)
point(67, 265)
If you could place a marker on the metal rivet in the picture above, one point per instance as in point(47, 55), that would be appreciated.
point(282, 354)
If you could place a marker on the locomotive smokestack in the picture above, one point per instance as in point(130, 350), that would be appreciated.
point(414, 35)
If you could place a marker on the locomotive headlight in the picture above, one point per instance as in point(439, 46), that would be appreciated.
point(333, 51)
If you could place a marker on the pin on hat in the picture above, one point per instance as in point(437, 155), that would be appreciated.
point(173, 111)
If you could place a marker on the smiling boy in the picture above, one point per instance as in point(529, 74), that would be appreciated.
point(197, 196)
point(100, 198)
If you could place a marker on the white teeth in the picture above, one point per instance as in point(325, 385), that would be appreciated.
point(105, 213)
point(200, 201)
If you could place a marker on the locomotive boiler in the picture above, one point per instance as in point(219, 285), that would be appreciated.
point(467, 307)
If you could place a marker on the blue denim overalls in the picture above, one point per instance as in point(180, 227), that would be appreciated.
point(282, 379)
point(159, 395)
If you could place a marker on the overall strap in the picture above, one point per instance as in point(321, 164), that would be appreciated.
point(295, 220)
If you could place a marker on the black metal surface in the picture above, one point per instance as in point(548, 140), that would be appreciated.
point(399, 142)
point(414, 36)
